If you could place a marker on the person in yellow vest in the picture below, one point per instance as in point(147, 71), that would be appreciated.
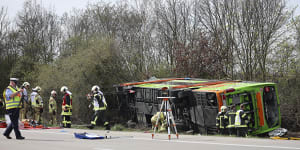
point(24, 101)
point(52, 108)
point(161, 122)
point(12, 95)
point(37, 104)
point(99, 108)
point(241, 120)
point(66, 112)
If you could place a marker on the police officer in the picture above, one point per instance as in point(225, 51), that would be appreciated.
point(66, 107)
point(230, 116)
point(12, 95)
point(52, 107)
point(24, 101)
point(100, 106)
point(241, 122)
point(221, 121)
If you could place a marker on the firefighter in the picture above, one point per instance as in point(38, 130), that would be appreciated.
point(241, 122)
point(230, 117)
point(221, 121)
point(52, 108)
point(12, 97)
point(100, 105)
point(24, 101)
point(161, 121)
point(66, 107)
point(37, 105)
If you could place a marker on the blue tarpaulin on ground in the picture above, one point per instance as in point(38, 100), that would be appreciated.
point(88, 136)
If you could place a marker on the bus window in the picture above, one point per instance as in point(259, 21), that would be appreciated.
point(236, 99)
point(212, 99)
point(139, 97)
point(148, 95)
point(206, 99)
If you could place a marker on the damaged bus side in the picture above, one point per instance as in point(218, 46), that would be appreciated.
point(261, 101)
point(198, 101)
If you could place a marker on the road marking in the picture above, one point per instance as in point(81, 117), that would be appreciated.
point(101, 148)
point(180, 141)
point(214, 143)
point(37, 131)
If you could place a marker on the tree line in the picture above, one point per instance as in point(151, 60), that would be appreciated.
point(107, 44)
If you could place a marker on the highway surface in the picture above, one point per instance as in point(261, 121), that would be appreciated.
point(63, 139)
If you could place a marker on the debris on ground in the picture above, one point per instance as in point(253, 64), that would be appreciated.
point(88, 136)
point(278, 132)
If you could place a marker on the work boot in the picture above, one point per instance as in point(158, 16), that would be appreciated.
point(107, 126)
point(7, 136)
point(90, 126)
point(20, 138)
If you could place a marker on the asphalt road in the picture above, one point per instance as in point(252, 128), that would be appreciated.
point(63, 139)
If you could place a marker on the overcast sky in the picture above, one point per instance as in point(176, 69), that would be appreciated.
point(61, 6)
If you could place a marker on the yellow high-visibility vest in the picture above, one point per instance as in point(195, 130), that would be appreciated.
point(13, 102)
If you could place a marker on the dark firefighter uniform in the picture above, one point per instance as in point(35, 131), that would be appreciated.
point(241, 121)
point(66, 110)
point(221, 121)
point(230, 115)
point(100, 106)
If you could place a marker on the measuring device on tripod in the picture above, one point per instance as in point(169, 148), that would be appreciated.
point(166, 109)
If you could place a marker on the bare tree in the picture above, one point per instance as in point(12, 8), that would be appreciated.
point(244, 32)
point(39, 32)
point(4, 25)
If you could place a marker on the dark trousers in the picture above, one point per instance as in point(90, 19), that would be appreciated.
point(223, 131)
point(241, 131)
point(14, 118)
point(100, 115)
point(66, 121)
point(232, 131)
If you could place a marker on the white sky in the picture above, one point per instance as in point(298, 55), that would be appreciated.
point(61, 6)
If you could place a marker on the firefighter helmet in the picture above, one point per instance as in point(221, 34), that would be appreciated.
point(95, 88)
point(26, 84)
point(53, 92)
point(223, 109)
point(37, 89)
point(63, 89)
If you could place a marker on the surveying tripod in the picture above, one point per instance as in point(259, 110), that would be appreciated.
point(169, 116)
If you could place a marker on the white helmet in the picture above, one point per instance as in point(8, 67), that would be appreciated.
point(63, 89)
point(26, 84)
point(37, 88)
point(95, 88)
point(53, 92)
point(223, 109)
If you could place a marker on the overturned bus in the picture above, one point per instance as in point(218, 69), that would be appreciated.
point(197, 102)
